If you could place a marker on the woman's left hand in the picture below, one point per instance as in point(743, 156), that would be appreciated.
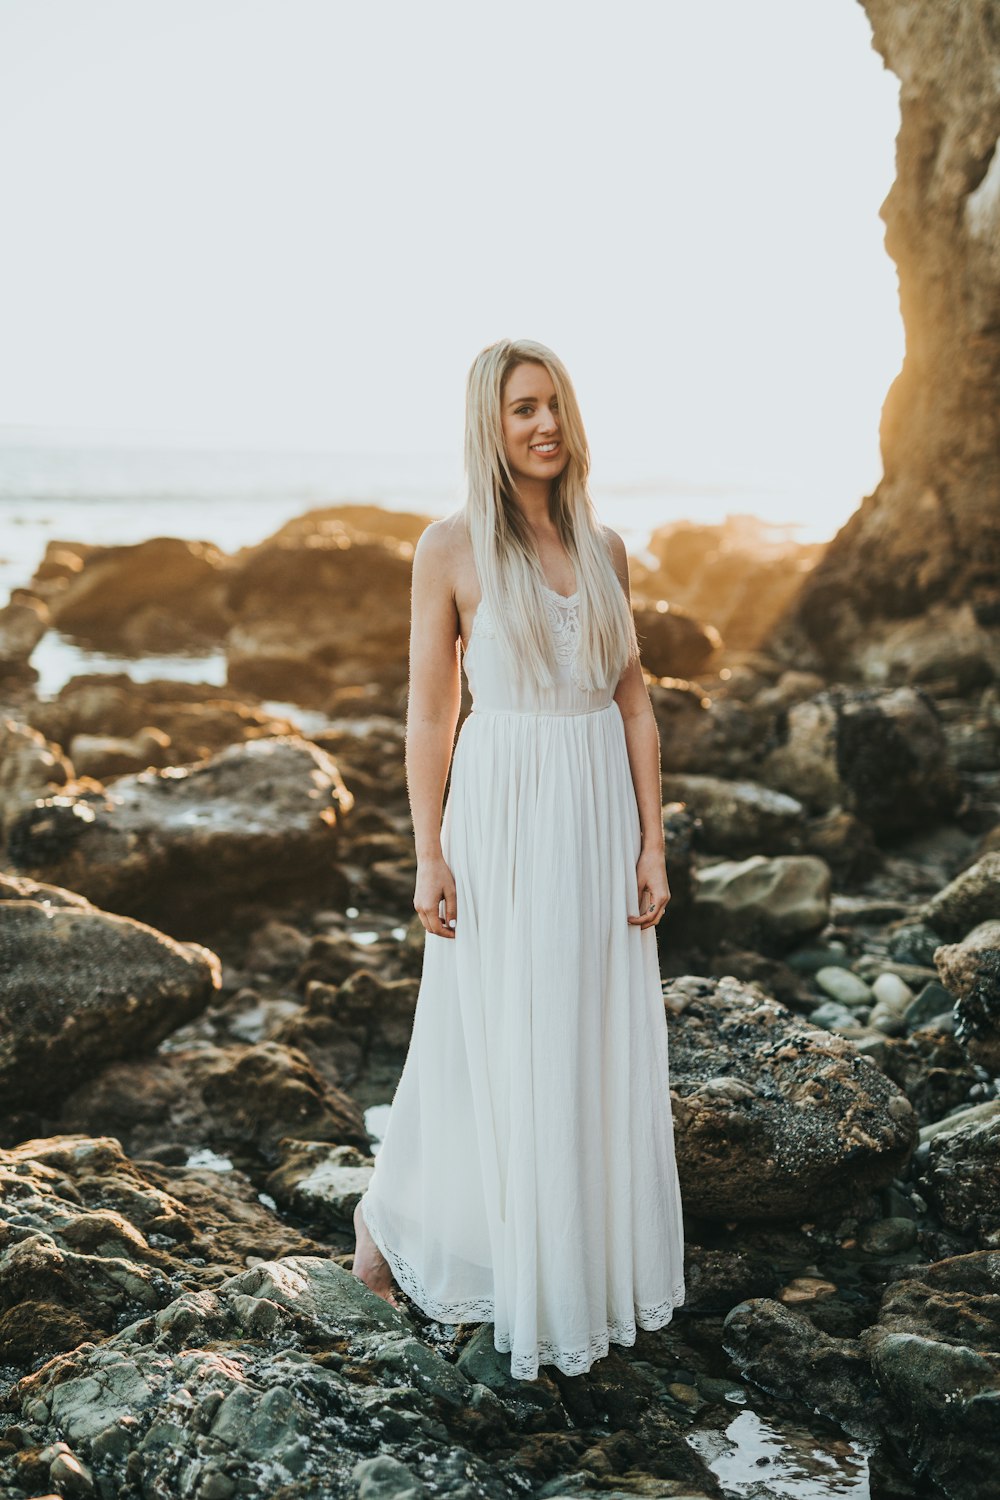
point(654, 888)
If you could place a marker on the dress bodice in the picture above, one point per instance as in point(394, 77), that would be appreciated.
point(495, 688)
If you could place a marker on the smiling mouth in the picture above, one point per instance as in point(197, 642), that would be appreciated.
point(544, 448)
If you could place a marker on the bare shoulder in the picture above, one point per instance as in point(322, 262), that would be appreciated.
point(616, 547)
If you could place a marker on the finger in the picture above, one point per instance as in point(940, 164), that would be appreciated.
point(444, 927)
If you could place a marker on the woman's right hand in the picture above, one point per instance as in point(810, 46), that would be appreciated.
point(436, 884)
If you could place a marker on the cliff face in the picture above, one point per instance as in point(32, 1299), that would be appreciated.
point(929, 537)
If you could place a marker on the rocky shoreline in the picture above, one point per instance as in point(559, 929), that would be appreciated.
point(209, 969)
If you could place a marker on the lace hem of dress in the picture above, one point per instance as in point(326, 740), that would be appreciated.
point(563, 615)
point(524, 1366)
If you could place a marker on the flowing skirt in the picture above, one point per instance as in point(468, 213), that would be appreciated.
point(527, 1176)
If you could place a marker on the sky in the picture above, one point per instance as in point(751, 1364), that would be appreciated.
point(294, 223)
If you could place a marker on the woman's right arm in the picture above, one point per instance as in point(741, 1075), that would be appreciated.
point(433, 706)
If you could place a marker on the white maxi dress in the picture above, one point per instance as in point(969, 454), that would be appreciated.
point(526, 1177)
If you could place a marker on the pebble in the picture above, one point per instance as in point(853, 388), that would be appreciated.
point(888, 1236)
point(933, 1000)
point(843, 985)
point(892, 991)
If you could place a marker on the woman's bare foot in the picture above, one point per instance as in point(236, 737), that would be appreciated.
point(370, 1265)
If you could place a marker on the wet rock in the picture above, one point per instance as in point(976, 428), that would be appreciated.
point(161, 595)
point(29, 767)
point(769, 904)
point(931, 1068)
point(933, 1352)
point(237, 1099)
point(881, 755)
point(773, 1116)
point(785, 1354)
point(357, 1033)
point(672, 642)
point(89, 1240)
point(971, 971)
point(322, 1185)
point(80, 987)
point(738, 817)
point(963, 1175)
point(294, 1375)
point(194, 847)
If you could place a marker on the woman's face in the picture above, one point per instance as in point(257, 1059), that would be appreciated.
point(532, 434)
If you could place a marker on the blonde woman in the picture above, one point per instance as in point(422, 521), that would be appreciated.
point(526, 1177)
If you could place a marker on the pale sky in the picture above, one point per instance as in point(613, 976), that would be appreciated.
point(295, 223)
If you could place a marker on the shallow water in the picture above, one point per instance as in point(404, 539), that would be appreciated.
point(754, 1459)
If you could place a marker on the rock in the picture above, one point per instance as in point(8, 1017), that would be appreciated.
point(161, 595)
point(105, 756)
point(319, 609)
point(963, 1177)
point(933, 1352)
point(971, 971)
point(23, 622)
point(972, 897)
point(356, 1033)
point(931, 1069)
point(293, 1377)
point(237, 1099)
point(933, 1000)
point(79, 988)
point(197, 718)
point(783, 1353)
point(880, 755)
point(672, 642)
point(196, 846)
point(770, 904)
point(843, 986)
point(803, 1124)
point(321, 1184)
point(738, 817)
point(29, 767)
point(889, 1236)
point(89, 1239)
point(740, 575)
point(913, 943)
point(930, 534)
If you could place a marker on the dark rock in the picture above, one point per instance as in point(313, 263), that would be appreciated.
point(738, 817)
point(768, 904)
point(79, 988)
point(672, 643)
point(774, 1117)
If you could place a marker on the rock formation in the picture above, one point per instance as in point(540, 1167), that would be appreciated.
point(909, 589)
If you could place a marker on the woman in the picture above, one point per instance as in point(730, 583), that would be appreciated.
point(527, 1176)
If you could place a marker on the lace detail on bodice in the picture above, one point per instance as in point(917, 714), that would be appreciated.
point(563, 614)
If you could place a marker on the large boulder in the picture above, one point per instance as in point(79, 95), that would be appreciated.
point(962, 1174)
point(193, 847)
point(971, 971)
point(672, 642)
point(90, 1240)
point(930, 533)
point(775, 1118)
point(882, 755)
point(161, 595)
point(79, 988)
point(318, 609)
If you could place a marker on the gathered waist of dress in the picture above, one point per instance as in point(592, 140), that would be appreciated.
point(540, 713)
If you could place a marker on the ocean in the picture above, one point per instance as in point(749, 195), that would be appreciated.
point(118, 493)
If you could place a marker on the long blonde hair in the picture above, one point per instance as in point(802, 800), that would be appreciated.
point(510, 574)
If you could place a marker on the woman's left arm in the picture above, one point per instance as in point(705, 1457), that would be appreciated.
point(643, 741)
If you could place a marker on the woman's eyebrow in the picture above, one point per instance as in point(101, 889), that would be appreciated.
point(527, 401)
